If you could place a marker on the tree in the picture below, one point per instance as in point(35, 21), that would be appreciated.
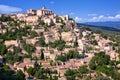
point(52, 63)
point(29, 48)
point(83, 69)
point(99, 59)
point(59, 44)
point(12, 57)
point(6, 18)
point(20, 75)
point(76, 43)
point(62, 58)
point(101, 78)
point(30, 71)
point(42, 55)
point(17, 49)
point(94, 42)
point(70, 55)
point(70, 74)
point(6, 73)
point(59, 20)
point(3, 49)
point(28, 27)
point(33, 34)
point(41, 22)
point(38, 74)
point(42, 42)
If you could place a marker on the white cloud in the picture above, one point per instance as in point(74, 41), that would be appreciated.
point(72, 13)
point(99, 18)
point(117, 16)
point(9, 9)
point(110, 17)
point(92, 14)
point(104, 18)
point(52, 2)
point(77, 19)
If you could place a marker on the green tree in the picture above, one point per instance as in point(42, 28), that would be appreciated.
point(29, 48)
point(6, 18)
point(94, 42)
point(42, 55)
point(33, 34)
point(17, 49)
point(59, 44)
point(3, 49)
point(6, 73)
point(101, 78)
point(20, 75)
point(76, 43)
point(83, 69)
point(99, 59)
point(42, 42)
point(30, 71)
point(27, 27)
point(70, 74)
point(41, 22)
point(62, 58)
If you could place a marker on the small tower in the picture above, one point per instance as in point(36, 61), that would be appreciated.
point(43, 7)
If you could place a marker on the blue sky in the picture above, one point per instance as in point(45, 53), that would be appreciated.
point(80, 10)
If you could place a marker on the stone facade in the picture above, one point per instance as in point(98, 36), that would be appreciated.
point(44, 12)
point(31, 16)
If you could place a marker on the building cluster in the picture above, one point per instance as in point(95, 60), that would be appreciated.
point(27, 63)
point(32, 16)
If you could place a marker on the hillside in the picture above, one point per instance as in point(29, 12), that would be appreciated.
point(53, 47)
point(112, 33)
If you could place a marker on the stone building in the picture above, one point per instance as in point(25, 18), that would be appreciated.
point(44, 12)
point(67, 36)
point(32, 19)
point(22, 16)
point(65, 17)
point(27, 63)
point(31, 12)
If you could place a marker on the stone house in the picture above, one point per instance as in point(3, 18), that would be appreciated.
point(44, 12)
point(27, 63)
point(49, 37)
point(21, 66)
point(31, 19)
point(21, 16)
point(12, 42)
point(67, 36)
point(31, 12)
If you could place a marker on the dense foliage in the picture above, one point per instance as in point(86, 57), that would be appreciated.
point(7, 74)
point(59, 44)
point(14, 34)
point(70, 55)
point(41, 73)
point(42, 42)
point(6, 18)
point(29, 48)
point(99, 60)
point(72, 74)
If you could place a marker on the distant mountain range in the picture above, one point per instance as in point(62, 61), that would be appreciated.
point(107, 24)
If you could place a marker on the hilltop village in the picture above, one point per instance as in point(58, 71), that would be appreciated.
point(42, 45)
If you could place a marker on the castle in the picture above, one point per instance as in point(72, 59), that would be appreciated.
point(32, 16)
